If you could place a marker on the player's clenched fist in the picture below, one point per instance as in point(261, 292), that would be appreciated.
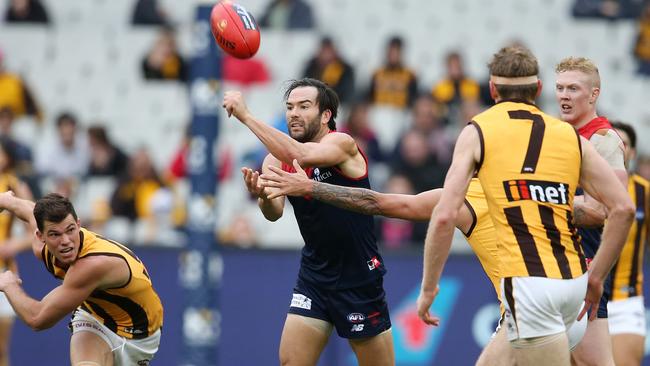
point(234, 104)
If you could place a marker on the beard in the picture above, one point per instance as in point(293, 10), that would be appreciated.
point(310, 130)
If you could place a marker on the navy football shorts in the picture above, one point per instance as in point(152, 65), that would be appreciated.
point(358, 312)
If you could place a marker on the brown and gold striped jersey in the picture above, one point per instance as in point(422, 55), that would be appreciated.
point(529, 170)
point(628, 270)
point(133, 310)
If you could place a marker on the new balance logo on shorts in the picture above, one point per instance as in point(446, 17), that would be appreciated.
point(301, 301)
point(357, 328)
point(536, 190)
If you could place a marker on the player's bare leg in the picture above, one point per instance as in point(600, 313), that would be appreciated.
point(5, 334)
point(595, 349)
point(546, 350)
point(303, 340)
point(497, 352)
point(375, 351)
point(89, 349)
point(628, 349)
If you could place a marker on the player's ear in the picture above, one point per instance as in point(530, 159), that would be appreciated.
point(325, 116)
point(595, 92)
point(39, 235)
point(493, 91)
point(539, 88)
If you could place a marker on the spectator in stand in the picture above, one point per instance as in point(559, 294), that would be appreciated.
point(136, 188)
point(428, 120)
point(394, 84)
point(163, 61)
point(148, 12)
point(15, 94)
point(397, 233)
point(359, 128)
point(65, 158)
point(455, 87)
point(26, 11)
point(414, 160)
point(607, 9)
point(328, 67)
point(642, 45)
point(287, 14)
point(106, 159)
point(239, 233)
point(22, 153)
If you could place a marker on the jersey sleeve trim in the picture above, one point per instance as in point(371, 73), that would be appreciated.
point(474, 219)
point(482, 142)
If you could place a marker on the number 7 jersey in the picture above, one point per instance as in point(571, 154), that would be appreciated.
point(529, 170)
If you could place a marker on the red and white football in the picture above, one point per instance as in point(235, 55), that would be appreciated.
point(235, 29)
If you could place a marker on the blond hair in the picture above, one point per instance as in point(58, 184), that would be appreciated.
point(581, 64)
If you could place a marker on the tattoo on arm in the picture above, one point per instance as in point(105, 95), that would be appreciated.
point(359, 200)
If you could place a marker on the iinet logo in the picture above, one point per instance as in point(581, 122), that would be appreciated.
point(536, 190)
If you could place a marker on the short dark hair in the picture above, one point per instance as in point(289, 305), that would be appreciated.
point(628, 129)
point(396, 41)
point(66, 117)
point(99, 134)
point(53, 207)
point(326, 98)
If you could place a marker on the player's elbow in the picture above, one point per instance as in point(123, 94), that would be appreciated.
point(39, 324)
point(445, 218)
point(624, 209)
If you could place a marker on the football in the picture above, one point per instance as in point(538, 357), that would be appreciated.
point(234, 29)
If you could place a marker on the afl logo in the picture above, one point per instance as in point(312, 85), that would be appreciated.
point(356, 317)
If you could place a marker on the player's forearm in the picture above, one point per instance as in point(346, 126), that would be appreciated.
point(613, 239)
point(588, 212)
point(26, 308)
point(23, 209)
point(359, 200)
point(280, 145)
point(436, 249)
point(270, 209)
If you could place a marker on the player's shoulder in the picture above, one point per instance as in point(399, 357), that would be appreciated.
point(335, 137)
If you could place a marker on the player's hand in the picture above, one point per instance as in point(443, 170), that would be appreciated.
point(592, 298)
point(5, 197)
point(253, 183)
point(424, 304)
point(287, 184)
point(234, 104)
point(8, 278)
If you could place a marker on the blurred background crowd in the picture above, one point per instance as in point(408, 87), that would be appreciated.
point(94, 98)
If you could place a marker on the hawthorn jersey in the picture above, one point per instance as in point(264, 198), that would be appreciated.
point(529, 169)
point(340, 246)
point(8, 182)
point(481, 235)
point(132, 310)
point(628, 270)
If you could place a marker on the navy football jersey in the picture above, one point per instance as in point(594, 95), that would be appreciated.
point(340, 246)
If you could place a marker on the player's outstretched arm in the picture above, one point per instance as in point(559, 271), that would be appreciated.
point(24, 210)
point(84, 277)
point(365, 201)
point(444, 217)
point(587, 212)
point(599, 180)
point(333, 149)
